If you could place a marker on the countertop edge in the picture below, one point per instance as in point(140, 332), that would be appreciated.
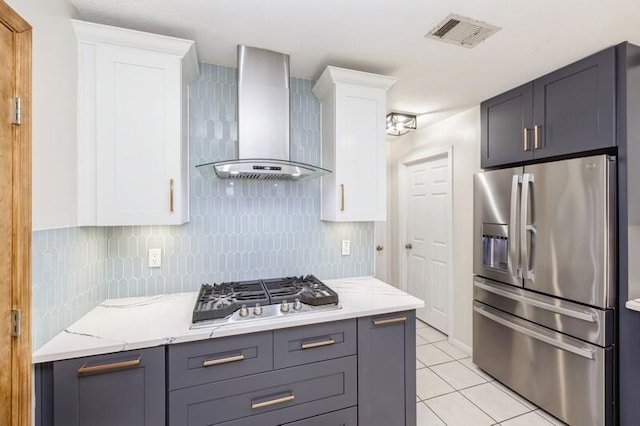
point(71, 343)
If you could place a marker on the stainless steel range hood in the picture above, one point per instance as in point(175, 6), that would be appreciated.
point(263, 122)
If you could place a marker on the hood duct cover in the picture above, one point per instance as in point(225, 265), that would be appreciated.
point(263, 122)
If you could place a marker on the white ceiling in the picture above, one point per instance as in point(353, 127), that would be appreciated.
point(387, 37)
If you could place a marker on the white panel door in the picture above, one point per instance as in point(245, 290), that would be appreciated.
point(428, 239)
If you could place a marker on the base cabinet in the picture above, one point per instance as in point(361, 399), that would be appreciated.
point(346, 417)
point(386, 370)
point(124, 389)
point(341, 373)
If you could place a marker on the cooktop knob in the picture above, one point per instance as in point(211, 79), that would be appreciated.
point(257, 309)
point(284, 307)
point(243, 311)
point(297, 305)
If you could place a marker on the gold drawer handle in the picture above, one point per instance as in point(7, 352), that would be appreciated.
point(256, 405)
point(106, 367)
point(218, 361)
point(318, 344)
point(389, 320)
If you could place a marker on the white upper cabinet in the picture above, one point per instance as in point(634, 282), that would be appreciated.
point(353, 107)
point(133, 147)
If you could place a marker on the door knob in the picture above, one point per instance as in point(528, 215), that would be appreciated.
point(379, 248)
point(408, 246)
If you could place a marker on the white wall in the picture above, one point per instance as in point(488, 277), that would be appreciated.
point(54, 111)
point(462, 132)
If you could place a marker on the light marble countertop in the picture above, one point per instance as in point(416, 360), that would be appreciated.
point(634, 304)
point(142, 322)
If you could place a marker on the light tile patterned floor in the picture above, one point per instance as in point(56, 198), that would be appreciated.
point(452, 391)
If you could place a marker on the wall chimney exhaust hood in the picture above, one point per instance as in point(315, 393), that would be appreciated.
point(263, 122)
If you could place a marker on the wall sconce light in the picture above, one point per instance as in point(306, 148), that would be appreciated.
point(400, 123)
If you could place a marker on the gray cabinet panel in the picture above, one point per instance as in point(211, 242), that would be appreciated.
point(206, 361)
point(316, 389)
point(504, 119)
point(386, 370)
point(311, 343)
point(568, 111)
point(112, 389)
point(346, 417)
point(575, 106)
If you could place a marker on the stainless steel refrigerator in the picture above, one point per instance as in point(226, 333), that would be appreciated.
point(544, 284)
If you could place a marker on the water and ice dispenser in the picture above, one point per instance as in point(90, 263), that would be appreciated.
point(495, 246)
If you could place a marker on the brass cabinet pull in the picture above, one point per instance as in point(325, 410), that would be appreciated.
point(218, 361)
point(110, 366)
point(389, 320)
point(171, 195)
point(525, 139)
point(312, 345)
point(341, 197)
point(280, 400)
point(536, 137)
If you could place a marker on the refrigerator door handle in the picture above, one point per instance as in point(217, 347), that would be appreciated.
point(525, 228)
point(500, 319)
point(514, 237)
point(584, 316)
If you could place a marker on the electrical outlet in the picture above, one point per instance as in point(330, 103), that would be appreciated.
point(346, 247)
point(155, 258)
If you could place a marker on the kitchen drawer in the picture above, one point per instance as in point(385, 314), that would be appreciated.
point(346, 417)
point(207, 361)
point(538, 360)
point(268, 399)
point(312, 343)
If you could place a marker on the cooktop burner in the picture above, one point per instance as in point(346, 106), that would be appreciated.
point(238, 301)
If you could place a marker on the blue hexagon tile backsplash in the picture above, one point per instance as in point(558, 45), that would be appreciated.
point(238, 229)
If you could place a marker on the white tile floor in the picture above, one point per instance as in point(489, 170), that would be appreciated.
point(452, 391)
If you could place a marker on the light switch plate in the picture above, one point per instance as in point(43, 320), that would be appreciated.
point(346, 247)
point(155, 258)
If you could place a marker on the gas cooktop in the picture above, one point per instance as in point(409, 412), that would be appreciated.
point(232, 302)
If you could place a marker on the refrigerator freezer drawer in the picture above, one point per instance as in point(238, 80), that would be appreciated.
point(583, 322)
point(571, 379)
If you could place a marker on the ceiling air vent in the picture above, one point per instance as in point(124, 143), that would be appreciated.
point(462, 31)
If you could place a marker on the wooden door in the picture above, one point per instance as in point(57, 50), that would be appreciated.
point(15, 219)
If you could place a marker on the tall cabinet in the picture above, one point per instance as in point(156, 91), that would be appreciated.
point(132, 126)
point(353, 109)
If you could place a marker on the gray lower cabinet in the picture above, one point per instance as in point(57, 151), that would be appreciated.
point(124, 389)
point(268, 399)
point(387, 370)
point(346, 417)
point(341, 373)
point(206, 361)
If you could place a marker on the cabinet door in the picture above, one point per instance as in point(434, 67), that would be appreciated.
point(386, 370)
point(360, 173)
point(139, 137)
point(574, 107)
point(124, 389)
point(506, 123)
